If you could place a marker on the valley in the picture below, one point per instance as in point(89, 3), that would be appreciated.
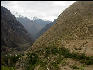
point(36, 44)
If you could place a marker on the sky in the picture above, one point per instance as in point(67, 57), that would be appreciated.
point(47, 10)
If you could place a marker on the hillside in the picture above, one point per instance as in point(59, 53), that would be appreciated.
point(14, 37)
point(75, 23)
point(68, 44)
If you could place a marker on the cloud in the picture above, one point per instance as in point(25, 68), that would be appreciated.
point(43, 9)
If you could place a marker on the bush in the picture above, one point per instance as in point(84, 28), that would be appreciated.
point(54, 51)
point(10, 60)
point(33, 58)
point(31, 61)
point(74, 67)
point(48, 50)
point(54, 66)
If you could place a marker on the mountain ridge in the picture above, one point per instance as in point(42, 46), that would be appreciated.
point(13, 33)
point(33, 26)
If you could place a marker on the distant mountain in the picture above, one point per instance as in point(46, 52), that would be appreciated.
point(33, 26)
point(14, 37)
point(68, 44)
point(43, 23)
point(30, 26)
point(47, 26)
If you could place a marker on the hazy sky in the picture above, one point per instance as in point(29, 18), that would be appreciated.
point(48, 10)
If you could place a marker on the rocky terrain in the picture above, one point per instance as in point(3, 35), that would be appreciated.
point(68, 44)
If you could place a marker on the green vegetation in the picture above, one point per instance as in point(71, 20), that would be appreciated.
point(7, 68)
point(74, 67)
point(77, 67)
point(58, 54)
point(52, 57)
point(66, 53)
point(80, 57)
point(32, 60)
point(10, 60)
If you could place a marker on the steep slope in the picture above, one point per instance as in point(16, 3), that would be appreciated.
point(68, 45)
point(14, 37)
point(75, 23)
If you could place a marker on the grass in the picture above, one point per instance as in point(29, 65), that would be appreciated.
point(7, 68)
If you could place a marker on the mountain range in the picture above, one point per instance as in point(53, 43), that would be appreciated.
point(14, 37)
point(33, 26)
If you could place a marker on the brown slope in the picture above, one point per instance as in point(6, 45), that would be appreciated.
point(75, 23)
point(73, 30)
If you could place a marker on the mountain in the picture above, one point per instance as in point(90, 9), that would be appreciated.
point(14, 37)
point(43, 23)
point(68, 44)
point(44, 29)
point(33, 26)
point(30, 26)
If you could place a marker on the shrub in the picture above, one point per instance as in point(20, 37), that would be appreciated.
point(10, 60)
point(74, 67)
point(31, 61)
point(54, 51)
point(33, 58)
point(54, 66)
